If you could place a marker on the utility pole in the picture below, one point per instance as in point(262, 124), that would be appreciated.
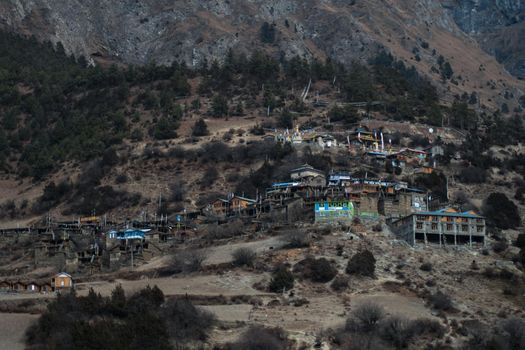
point(131, 248)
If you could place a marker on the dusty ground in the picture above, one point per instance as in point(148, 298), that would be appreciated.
point(12, 329)
point(227, 284)
point(400, 285)
point(223, 254)
point(230, 313)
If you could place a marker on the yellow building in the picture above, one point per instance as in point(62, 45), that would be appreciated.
point(62, 281)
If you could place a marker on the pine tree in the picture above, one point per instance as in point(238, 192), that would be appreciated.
point(267, 33)
point(200, 128)
point(219, 106)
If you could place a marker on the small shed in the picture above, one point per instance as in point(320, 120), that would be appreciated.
point(62, 281)
point(33, 287)
point(19, 286)
point(5, 285)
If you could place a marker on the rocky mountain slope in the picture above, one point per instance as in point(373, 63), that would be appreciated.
point(497, 25)
point(162, 30)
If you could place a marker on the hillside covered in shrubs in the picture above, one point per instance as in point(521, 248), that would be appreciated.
point(56, 109)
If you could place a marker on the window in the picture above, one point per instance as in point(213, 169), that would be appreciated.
point(464, 228)
point(479, 229)
point(434, 226)
point(419, 225)
point(62, 283)
point(449, 227)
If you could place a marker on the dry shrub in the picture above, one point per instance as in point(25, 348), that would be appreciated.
point(441, 301)
point(261, 338)
point(362, 263)
point(317, 270)
point(187, 261)
point(231, 229)
point(282, 280)
point(244, 257)
point(397, 331)
point(297, 239)
point(426, 267)
point(340, 283)
point(185, 321)
point(365, 318)
point(500, 246)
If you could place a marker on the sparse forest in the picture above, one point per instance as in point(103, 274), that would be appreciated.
point(56, 108)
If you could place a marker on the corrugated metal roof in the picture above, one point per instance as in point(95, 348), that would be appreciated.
point(448, 212)
point(245, 199)
point(285, 184)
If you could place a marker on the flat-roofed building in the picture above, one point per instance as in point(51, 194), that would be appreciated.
point(445, 226)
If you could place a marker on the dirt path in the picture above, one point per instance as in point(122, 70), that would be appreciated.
point(13, 328)
point(395, 304)
point(332, 310)
point(320, 313)
point(229, 284)
point(220, 254)
point(230, 313)
point(223, 254)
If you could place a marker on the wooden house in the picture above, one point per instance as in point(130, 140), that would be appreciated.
point(219, 206)
point(239, 204)
point(410, 156)
point(62, 281)
point(305, 171)
point(19, 286)
point(234, 205)
point(46, 287)
point(425, 169)
point(309, 176)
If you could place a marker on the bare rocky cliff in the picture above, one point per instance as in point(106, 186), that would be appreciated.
point(196, 31)
point(499, 27)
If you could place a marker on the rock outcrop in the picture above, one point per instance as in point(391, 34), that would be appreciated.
point(499, 27)
point(197, 31)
